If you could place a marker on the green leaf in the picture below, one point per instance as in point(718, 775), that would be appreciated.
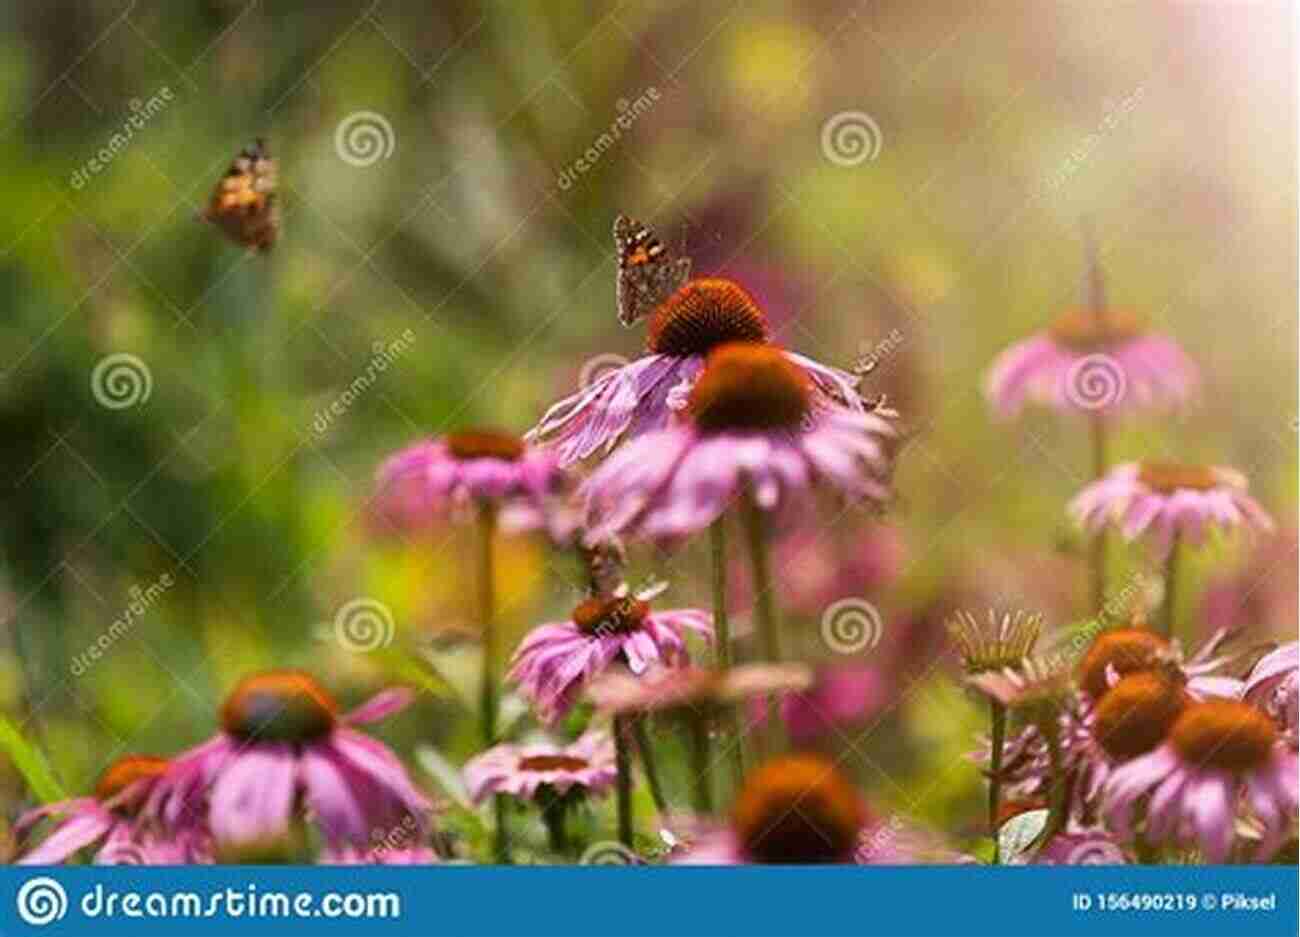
point(31, 763)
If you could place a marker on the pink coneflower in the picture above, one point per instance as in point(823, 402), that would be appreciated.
point(792, 810)
point(1092, 362)
point(556, 660)
point(556, 777)
point(285, 751)
point(1273, 686)
point(446, 477)
point(1116, 652)
point(500, 483)
point(753, 429)
point(587, 766)
point(1131, 719)
point(110, 820)
point(1166, 502)
point(643, 396)
point(1218, 753)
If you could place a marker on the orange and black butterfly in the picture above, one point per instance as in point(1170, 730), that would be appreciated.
point(244, 203)
point(648, 273)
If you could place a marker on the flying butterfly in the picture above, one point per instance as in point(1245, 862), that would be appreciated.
point(648, 273)
point(244, 203)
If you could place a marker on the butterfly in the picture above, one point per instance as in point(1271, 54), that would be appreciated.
point(648, 273)
point(244, 203)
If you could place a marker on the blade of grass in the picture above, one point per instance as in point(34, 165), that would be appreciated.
point(31, 764)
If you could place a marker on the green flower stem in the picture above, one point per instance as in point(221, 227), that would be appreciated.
point(1059, 798)
point(623, 783)
point(1097, 557)
point(487, 526)
point(722, 641)
point(1172, 568)
point(764, 606)
point(555, 809)
point(997, 731)
point(648, 763)
point(701, 789)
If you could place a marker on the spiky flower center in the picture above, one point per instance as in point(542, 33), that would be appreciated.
point(749, 387)
point(1224, 734)
point(124, 772)
point(1126, 650)
point(610, 615)
point(279, 706)
point(702, 315)
point(552, 763)
point(1089, 330)
point(798, 809)
point(998, 642)
point(485, 444)
point(1135, 715)
point(1168, 477)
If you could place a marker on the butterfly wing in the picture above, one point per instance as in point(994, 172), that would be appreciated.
point(648, 273)
point(244, 203)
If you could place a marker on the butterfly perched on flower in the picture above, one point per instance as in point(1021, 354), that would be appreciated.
point(244, 203)
point(648, 273)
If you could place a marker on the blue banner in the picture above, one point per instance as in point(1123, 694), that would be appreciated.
point(465, 901)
